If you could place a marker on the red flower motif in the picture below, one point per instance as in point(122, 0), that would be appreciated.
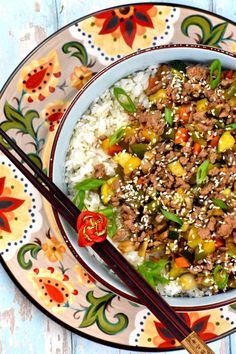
point(199, 326)
point(126, 19)
point(7, 204)
point(92, 227)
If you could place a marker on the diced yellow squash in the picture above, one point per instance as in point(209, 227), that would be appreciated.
point(176, 169)
point(227, 192)
point(232, 101)
point(158, 96)
point(142, 248)
point(105, 145)
point(226, 142)
point(129, 131)
point(149, 135)
point(179, 74)
point(175, 271)
point(193, 237)
point(184, 227)
point(202, 105)
point(209, 246)
point(107, 191)
point(133, 163)
point(187, 282)
point(121, 158)
point(127, 161)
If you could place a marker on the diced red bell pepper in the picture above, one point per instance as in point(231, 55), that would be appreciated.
point(114, 149)
point(214, 141)
point(184, 113)
point(229, 74)
point(197, 148)
point(181, 136)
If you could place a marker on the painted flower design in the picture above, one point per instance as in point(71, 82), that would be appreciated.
point(120, 31)
point(53, 113)
point(40, 77)
point(80, 76)
point(127, 21)
point(201, 325)
point(83, 277)
point(53, 248)
point(54, 289)
point(7, 205)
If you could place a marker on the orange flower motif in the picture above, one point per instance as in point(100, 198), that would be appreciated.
point(40, 77)
point(53, 249)
point(80, 76)
point(83, 277)
point(53, 288)
point(53, 113)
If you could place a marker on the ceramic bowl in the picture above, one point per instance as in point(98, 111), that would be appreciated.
point(96, 86)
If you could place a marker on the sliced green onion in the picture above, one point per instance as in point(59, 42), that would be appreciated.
point(230, 126)
point(220, 203)
point(171, 216)
point(215, 66)
point(124, 99)
point(79, 199)
point(152, 272)
point(117, 136)
point(220, 276)
point(202, 172)
point(108, 211)
point(89, 183)
point(169, 116)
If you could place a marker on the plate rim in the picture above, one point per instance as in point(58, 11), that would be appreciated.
point(3, 90)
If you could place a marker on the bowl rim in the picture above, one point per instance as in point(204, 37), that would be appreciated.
point(103, 281)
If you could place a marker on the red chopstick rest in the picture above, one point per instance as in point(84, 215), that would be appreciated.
point(91, 227)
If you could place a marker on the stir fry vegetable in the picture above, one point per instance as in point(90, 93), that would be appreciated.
point(124, 99)
point(215, 67)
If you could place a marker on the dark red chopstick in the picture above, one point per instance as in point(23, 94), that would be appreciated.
point(110, 255)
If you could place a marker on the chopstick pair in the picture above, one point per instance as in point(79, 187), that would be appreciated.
point(147, 295)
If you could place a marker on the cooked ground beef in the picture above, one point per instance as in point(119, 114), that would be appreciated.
point(166, 203)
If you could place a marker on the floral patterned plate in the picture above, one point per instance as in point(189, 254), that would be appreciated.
point(32, 249)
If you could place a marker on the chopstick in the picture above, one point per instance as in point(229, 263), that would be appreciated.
point(109, 254)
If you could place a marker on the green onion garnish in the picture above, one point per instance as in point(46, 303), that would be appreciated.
point(230, 126)
point(124, 99)
point(79, 199)
point(169, 116)
point(202, 172)
point(117, 136)
point(89, 183)
point(220, 203)
point(171, 216)
point(215, 66)
point(220, 276)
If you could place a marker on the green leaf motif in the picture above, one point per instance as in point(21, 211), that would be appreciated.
point(15, 120)
point(29, 247)
point(210, 35)
point(79, 53)
point(36, 160)
point(96, 313)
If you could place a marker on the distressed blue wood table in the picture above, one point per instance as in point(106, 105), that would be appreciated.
point(23, 25)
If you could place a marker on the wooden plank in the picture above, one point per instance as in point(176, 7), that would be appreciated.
point(23, 25)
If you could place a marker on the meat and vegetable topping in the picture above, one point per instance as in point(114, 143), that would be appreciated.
point(174, 192)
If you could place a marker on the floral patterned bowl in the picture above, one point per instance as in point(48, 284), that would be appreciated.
point(98, 84)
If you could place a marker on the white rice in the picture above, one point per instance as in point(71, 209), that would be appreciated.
point(104, 116)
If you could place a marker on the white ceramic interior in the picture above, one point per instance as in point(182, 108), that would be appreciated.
point(99, 83)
